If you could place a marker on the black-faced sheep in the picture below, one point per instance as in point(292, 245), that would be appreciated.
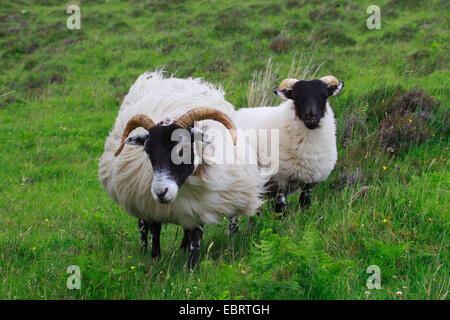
point(150, 185)
point(307, 136)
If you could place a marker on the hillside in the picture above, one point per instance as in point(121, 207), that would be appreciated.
point(386, 202)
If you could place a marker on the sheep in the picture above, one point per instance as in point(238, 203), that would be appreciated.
point(307, 137)
point(152, 186)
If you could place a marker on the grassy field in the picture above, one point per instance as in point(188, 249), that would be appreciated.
point(385, 204)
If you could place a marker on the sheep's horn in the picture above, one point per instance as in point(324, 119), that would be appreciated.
point(287, 84)
point(330, 80)
point(203, 113)
point(139, 120)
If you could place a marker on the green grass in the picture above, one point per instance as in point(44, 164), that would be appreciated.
point(60, 92)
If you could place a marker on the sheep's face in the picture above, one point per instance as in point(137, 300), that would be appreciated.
point(171, 153)
point(310, 99)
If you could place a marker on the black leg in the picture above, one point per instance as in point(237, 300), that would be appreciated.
point(155, 230)
point(194, 247)
point(185, 242)
point(280, 202)
point(143, 229)
point(233, 225)
point(305, 196)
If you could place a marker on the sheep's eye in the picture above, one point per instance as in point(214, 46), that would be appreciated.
point(180, 153)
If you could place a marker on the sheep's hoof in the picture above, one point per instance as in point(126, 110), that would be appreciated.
point(156, 255)
point(193, 259)
point(280, 206)
point(234, 229)
point(184, 246)
point(305, 202)
point(144, 247)
point(233, 225)
point(185, 242)
point(280, 209)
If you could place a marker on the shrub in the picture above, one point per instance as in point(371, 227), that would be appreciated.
point(279, 44)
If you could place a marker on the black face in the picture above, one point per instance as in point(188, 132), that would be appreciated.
point(160, 148)
point(170, 150)
point(310, 98)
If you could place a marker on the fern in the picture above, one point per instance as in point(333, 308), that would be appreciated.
point(264, 253)
point(282, 266)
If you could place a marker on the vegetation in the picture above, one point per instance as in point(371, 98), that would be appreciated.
point(385, 204)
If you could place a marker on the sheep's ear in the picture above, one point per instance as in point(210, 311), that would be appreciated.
point(284, 90)
point(334, 85)
point(137, 140)
point(333, 90)
point(283, 94)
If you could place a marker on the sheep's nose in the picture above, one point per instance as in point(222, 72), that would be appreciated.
point(162, 194)
point(311, 117)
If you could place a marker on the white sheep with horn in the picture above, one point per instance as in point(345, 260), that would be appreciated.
point(143, 173)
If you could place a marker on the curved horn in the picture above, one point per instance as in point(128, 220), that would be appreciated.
point(203, 113)
point(139, 120)
point(330, 80)
point(287, 84)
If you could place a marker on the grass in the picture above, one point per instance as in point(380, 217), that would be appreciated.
point(60, 91)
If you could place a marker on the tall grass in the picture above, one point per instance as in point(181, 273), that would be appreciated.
point(260, 92)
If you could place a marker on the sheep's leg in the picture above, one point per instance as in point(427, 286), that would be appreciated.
point(155, 230)
point(280, 202)
point(233, 225)
point(305, 196)
point(185, 242)
point(143, 229)
point(194, 247)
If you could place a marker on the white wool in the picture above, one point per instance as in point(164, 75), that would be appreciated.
point(166, 94)
point(213, 192)
point(306, 156)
